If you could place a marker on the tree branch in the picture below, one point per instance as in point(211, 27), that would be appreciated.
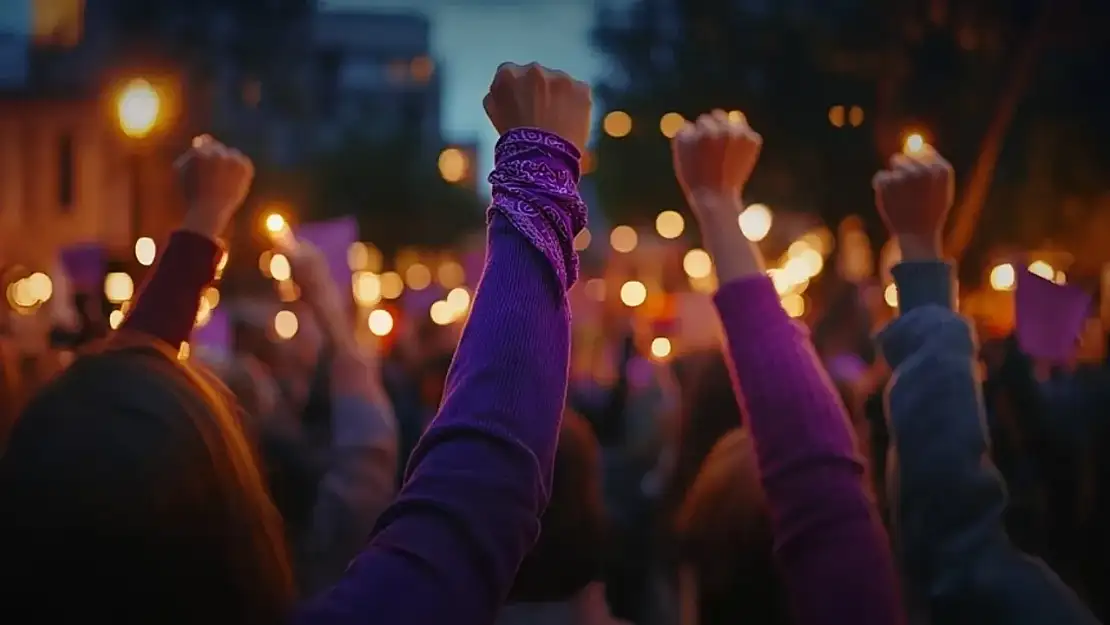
point(966, 215)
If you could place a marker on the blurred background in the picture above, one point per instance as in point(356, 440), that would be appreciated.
point(372, 109)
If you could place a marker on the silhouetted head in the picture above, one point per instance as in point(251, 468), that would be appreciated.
point(709, 411)
point(129, 490)
point(724, 532)
point(570, 550)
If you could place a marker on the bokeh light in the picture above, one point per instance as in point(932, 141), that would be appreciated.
point(358, 256)
point(441, 313)
point(137, 108)
point(660, 347)
point(914, 143)
point(794, 305)
point(623, 239)
point(380, 322)
point(366, 287)
point(280, 269)
point(275, 223)
point(115, 319)
point(145, 251)
point(453, 165)
point(1042, 269)
point(633, 293)
point(418, 276)
point(286, 324)
point(392, 285)
point(459, 299)
point(1003, 277)
point(617, 124)
point(670, 224)
point(582, 240)
point(890, 296)
point(450, 274)
point(697, 263)
point(670, 124)
point(118, 287)
point(755, 222)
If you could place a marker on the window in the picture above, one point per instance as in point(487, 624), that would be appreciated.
point(66, 172)
point(57, 22)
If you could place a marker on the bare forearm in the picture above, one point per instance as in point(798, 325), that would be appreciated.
point(733, 255)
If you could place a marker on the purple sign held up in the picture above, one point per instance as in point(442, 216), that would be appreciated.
point(86, 264)
point(334, 239)
point(214, 335)
point(1050, 317)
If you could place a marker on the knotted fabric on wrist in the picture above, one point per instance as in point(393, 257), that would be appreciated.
point(535, 185)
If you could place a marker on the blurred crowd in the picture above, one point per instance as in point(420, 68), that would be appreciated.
point(465, 474)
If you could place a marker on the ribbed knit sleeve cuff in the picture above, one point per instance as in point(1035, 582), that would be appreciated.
point(925, 283)
point(166, 308)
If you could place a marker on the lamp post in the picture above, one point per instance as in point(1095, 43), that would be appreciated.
point(138, 109)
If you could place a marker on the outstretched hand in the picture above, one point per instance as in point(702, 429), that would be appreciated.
point(715, 157)
point(913, 197)
point(216, 180)
point(533, 96)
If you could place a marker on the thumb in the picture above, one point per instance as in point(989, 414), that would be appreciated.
point(490, 108)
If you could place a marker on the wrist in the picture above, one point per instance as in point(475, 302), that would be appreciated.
point(715, 206)
point(916, 247)
point(198, 222)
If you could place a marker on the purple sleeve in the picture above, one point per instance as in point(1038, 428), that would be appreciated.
point(829, 543)
point(448, 548)
point(166, 306)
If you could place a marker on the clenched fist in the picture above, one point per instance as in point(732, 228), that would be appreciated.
point(216, 180)
point(533, 96)
point(914, 197)
point(715, 156)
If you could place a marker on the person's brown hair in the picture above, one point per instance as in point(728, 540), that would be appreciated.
point(570, 551)
point(11, 391)
point(709, 411)
point(130, 482)
point(724, 531)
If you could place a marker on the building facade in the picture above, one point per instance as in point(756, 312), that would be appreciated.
point(66, 178)
point(375, 75)
point(67, 173)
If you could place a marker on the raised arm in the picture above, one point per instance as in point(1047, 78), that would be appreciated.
point(948, 497)
point(448, 548)
point(361, 476)
point(217, 179)
point(829, 542)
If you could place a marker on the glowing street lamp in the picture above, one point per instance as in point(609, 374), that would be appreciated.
point(138, 107)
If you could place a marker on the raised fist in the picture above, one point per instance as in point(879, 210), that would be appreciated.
point(311, 272)
point(532, 96)
point(715, 155)
point(915, 195)
point(216, 180)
